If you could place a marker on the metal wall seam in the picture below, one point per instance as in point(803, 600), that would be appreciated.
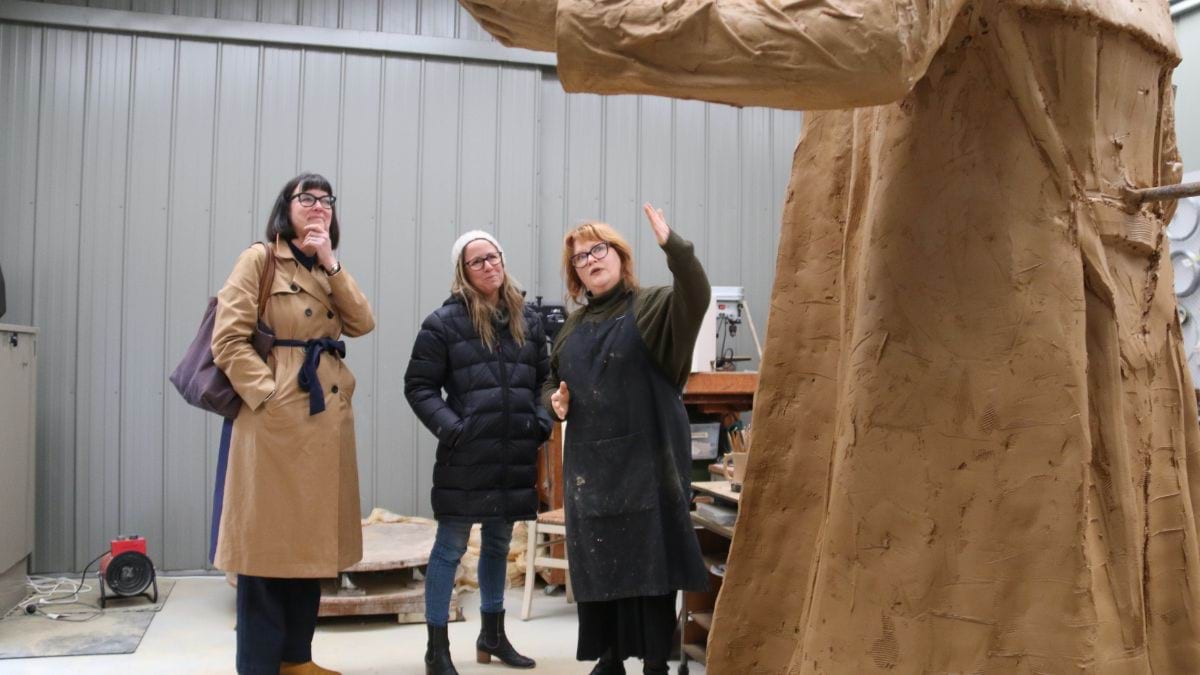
point(226, 30)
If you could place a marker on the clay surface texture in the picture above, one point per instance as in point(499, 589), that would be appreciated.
point(975, 440)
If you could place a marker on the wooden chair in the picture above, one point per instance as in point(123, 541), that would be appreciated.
point(553, 524)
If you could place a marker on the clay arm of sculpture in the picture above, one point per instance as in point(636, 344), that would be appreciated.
point(428, 370)
point(233, 326)
point(797, 54)
point(352, 304)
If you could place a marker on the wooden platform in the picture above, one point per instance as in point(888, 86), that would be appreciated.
point(391, 592)
point(383, 582)
point(391, 546)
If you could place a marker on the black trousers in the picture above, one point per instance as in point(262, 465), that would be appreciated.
point(276, 619)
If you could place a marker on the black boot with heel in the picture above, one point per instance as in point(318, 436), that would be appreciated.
point(437, 652)
point(493, 642)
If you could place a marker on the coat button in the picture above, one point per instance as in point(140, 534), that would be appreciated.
point(329, 314)
point(295, 287)
point(308, 311)
point(335, 389)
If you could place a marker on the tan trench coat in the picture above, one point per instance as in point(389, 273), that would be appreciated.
point(975, 443)
point(291, 491)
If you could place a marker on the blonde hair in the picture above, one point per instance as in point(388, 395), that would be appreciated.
point(602, 232)
point(481, 310)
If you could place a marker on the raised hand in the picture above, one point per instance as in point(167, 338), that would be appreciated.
point(314, 240)
point(658, 223)
point(517, 23)
point(561, 401)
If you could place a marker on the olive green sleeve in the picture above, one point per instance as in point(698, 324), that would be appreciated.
point(552, 380)
point(669, 317)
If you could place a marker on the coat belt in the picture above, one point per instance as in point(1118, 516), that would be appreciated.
point(308, 372)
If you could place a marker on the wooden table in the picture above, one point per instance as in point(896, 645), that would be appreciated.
point(721, 393)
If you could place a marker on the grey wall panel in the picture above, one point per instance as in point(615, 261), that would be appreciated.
point(399, 17)
point(185, 441)
point(517, 175)
point(358, 186)
point(1187, 92)
point(20, 95)
point(476, 162)
point(319, 13)
point(101, 290)
point(585, 159)
point(690, 184)
point(617, 154)
point(654, 165)
point(399, 465)
point(150, 163)
point(437, 18)
point(723, 212)
point(360, 14)
point(552, 201)
point(279, 140)
point(56, 283)
point(438, 217)
point(468, 28)
point(247, 10)
point(759, 213)
point(154, 6)
point(320, 113)
point(147, 233)
point(202, 8)
point(280, 11)
point(236, 219)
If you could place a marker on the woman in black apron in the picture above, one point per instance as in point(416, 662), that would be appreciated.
point(616, 375)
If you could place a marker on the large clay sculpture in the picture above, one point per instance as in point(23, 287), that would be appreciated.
point(975, 442)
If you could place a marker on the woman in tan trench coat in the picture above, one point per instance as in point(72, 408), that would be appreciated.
point(291, 510)
point(975, 442)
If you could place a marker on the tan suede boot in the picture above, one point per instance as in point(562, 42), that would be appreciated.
point(306, 668)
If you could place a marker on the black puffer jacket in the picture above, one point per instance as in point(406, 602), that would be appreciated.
point(491, 421)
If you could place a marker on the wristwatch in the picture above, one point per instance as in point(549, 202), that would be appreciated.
point(337, 267)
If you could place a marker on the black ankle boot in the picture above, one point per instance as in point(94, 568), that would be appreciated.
point(607, 665)
point(655, 668)
point(437, 652)
point(493, 642)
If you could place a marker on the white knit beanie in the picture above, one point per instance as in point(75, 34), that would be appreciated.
point(461, 243)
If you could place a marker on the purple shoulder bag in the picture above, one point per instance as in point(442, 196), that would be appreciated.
point(198, 378)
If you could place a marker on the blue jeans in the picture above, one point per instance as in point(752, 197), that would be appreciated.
point(448, 549)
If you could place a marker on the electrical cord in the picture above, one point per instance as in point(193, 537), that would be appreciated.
point(45, 591)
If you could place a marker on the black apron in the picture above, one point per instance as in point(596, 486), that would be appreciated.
point(626, 468)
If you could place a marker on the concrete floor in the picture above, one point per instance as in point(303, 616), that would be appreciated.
point(194, 634)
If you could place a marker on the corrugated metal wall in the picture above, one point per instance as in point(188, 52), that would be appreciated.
point(436, 18)
point(1187, 89)
point(134, 169)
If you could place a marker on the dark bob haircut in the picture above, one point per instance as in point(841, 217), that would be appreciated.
point(279, 223)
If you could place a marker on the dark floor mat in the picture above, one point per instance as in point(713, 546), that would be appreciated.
point(116, 630)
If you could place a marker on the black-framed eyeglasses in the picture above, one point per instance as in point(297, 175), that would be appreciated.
point(493, 259)
point(598, 252)
point(307, 199)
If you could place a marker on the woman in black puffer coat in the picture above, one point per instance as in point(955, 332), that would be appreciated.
point(487, 351)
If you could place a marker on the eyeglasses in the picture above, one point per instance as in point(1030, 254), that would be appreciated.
point(306, 200)
point(598, 252)
point(493, 259)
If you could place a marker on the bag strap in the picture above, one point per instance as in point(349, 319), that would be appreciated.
point(266, 280)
